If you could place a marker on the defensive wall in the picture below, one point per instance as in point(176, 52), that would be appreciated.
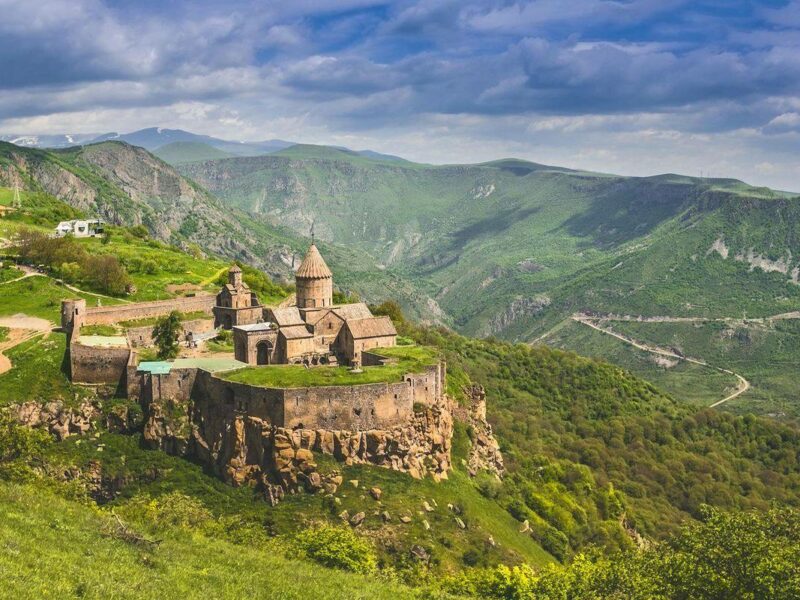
point(250, 435)
point(106, 315)
point(345, 407)
point(98, 364)
point(143, 336)
point(75, 313)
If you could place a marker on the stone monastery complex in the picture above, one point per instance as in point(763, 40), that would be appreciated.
point(313, 332)
point(262, 434)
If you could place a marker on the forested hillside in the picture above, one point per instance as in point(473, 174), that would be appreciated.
point(129, 186)
point(508, 248)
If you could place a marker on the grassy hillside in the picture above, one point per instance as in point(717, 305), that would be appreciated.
point(589, 446)
point(57, 548)
point(593, 454)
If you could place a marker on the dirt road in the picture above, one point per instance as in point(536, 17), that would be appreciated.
point(743, 386)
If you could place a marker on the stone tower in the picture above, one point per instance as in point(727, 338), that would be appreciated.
point(314, 281)
point(73, 314)
point(235, 276)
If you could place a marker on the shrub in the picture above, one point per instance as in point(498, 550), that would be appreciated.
point(17, 441)
point(139, 231)
point(337, 547)
point(165, 335)
point(173, 510)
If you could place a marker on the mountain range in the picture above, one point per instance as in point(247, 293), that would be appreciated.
point(173, 142)
point(507, 248)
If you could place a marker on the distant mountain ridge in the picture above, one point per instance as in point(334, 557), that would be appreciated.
point(155, 138)
point(502, 245)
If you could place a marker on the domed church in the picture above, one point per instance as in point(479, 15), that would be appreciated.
point(314, 331)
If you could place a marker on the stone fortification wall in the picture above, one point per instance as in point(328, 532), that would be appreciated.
point(354, 407)
point(96, 364)
point(105, 315)
point(143, 336)
point(265, 436)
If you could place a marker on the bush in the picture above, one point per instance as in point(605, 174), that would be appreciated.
point(18, 442)
point(337, 547)
point(173, 510)
point(70, 260)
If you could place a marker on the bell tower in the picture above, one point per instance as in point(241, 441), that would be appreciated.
point(314, 281)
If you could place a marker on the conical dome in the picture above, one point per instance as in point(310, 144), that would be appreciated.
point(313, 266)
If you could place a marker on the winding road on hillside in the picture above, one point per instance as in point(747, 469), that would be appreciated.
point(743, 384)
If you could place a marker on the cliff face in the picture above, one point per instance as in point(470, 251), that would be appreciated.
point(247, 450)
point(126, 185)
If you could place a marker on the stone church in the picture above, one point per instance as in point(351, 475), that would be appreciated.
point(314, 331)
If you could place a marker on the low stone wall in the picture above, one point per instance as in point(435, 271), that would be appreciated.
point(106, 315)
point(97, 364)
point(143, 336)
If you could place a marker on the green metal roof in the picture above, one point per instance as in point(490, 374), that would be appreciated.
point(157, 367)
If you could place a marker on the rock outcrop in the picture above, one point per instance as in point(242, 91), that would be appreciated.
point(485, 452)
point(247, 450)
point(58, 419)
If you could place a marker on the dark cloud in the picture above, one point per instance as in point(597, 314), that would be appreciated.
point(662, 68)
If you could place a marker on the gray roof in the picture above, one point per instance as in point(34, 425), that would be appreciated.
point(357, 310)
point(295, 332)
point(265, 326)
point(287, 316)
point(313, 266)
point(371, 327)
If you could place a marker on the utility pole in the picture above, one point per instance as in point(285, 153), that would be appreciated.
point(17, 202)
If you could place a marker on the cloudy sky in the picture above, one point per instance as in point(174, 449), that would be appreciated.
point(625, 86)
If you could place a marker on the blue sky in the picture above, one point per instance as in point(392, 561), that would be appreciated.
point(631, 86)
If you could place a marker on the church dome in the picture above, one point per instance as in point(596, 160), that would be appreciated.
point(313, 266)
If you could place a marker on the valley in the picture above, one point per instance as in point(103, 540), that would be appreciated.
point(512, 248)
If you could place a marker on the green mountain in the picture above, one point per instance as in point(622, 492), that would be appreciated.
point(127, 185)
point(177, 153)
point(512, 248)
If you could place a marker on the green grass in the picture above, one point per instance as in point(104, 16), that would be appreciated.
point(3, 334)
point(410, 359)
point(39, 297)
point(8, 272)
point(39, 373)
point(56, 548)
point(153, 265)
point(766, 354)
point(104, 330)
point(156, 473)
point(404, 496)
point(219, 346)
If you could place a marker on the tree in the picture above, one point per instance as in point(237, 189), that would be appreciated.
point(165, 335)
point(107, 274)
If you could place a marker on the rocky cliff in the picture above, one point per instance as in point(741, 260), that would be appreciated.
point(246, 450)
